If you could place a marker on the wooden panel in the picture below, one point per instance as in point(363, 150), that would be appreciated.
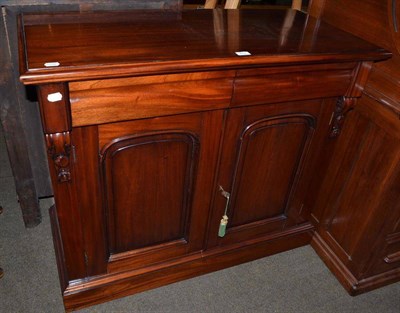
point(367, 19)
point(132, 98)
point(270, 153)
point(359, 192)
point(362, 192)
point(89, 196)
point(108, 132)
point(383, 84)
point(386, 250)
point(148, 180)
point(166, 183)
point(265, 152)
point(70, 221)
point(297, 85)
point(79, 206)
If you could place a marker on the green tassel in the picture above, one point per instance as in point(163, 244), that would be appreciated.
point(222, 226)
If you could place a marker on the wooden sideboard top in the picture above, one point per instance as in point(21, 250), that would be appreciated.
point(78, 46)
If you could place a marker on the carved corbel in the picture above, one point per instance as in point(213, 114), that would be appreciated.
point(59, 150)
point(343, 106)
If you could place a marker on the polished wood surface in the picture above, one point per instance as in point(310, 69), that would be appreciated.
point(93, 45)
point(156, 187)
point(264, 162)
point(264, 86)
point(357, 212)
point(357, 208)
point(374, 21)
point(104, 101)
point(149, 115)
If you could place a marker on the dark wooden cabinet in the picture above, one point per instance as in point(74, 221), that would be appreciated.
point(359, 215)
point(357, 211)
point(149, 136)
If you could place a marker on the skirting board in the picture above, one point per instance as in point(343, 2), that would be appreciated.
point(346, 278)
point(94, 290)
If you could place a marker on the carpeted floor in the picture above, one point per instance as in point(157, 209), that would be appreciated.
point(295, 281)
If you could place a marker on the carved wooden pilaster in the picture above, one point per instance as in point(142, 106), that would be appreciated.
point(343, 106)
point(56, 118)
point(59, 150)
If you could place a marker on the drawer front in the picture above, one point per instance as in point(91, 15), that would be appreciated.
point(287, 84)
point(112, 100)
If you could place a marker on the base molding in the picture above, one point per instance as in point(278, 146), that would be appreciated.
point(95, 290)
point(352, 285)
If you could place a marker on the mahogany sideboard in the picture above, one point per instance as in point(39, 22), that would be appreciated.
point(180, 143)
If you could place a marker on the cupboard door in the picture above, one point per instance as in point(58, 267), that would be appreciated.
point(264, 166)
point(156, 177)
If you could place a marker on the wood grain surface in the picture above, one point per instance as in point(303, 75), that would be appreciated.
point(357, 207)
point(94, 45)
point(163, 113)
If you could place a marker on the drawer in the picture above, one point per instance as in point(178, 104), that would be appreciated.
point(271, 85)
point(112, 100)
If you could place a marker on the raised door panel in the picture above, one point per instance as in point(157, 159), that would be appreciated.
point(263, 166)
point(156, 188)
point(148, 180)
point(266, 167)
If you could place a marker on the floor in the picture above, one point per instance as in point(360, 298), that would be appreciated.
point(294, 281)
